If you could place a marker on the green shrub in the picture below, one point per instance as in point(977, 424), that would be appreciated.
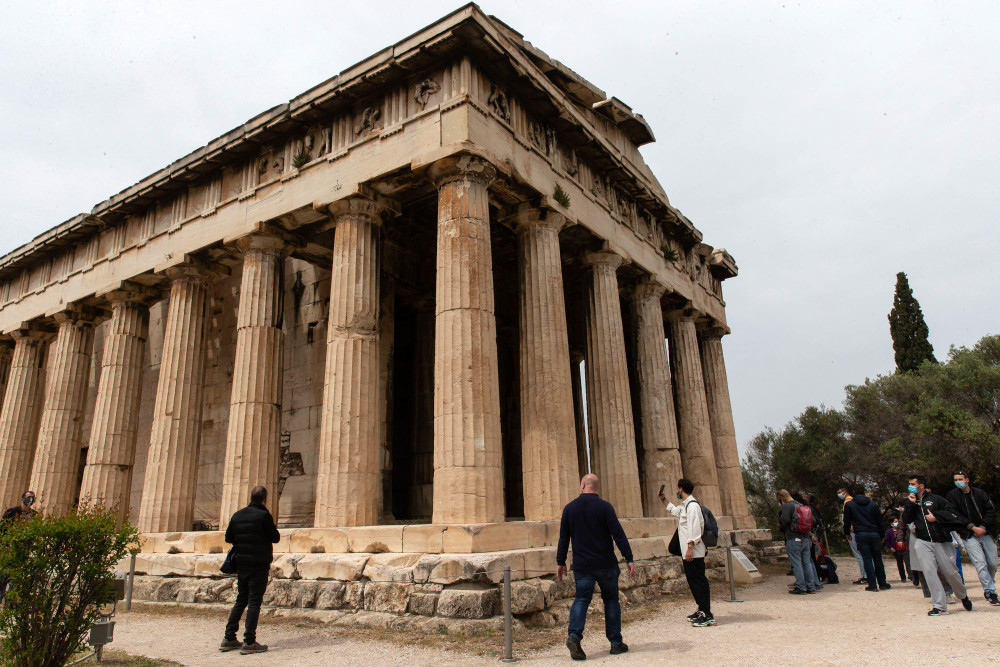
point(60, 570)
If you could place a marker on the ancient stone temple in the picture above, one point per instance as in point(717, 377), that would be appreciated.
point(416, 302)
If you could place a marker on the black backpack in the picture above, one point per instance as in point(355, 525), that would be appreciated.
point(710, 534)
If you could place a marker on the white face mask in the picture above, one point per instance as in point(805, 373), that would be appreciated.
point(895, 523)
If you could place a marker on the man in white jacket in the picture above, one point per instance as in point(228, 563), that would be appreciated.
point(690, 526)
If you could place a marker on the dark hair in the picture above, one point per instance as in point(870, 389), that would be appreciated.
point(920, 478)
point(685, 485)
point(859, 489)
point(962, 473)
point(258, 494)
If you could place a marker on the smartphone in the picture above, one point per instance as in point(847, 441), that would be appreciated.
point(662, 486)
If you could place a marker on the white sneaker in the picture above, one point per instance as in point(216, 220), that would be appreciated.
point(952, 599)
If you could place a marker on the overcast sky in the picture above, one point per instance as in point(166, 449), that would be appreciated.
point(825, 145)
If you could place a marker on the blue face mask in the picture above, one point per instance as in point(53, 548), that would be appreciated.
point(960, 485)
point(911, 488)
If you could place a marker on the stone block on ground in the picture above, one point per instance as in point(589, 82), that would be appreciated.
point(387, 597)
point(468, 603)
point(424, 604)
point(342, 567)
point(330, 595)
point(525, 597)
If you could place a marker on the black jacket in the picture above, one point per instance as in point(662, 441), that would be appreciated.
point(977, 507)
point(932, 531)
point(864, 516)
point(592, 525)
point(252, 532)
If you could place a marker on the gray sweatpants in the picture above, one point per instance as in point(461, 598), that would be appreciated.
point(935, 556)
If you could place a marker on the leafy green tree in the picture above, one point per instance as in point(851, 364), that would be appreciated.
point(60, 571)
point(908, 329)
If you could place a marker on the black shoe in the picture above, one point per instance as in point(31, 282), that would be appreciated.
point(575, 650)
point(704, 622)
point(617, 649)
point(253, 648)
point(873, 589)
point(967, 603)
point(862, 580)
point(884, 587)
point(695, 616)
point(230, 645)
point(994, 600)
point(798, 591)
point(937, 612)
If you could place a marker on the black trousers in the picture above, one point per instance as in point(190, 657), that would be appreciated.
point(903, 564)
point(694, 570)
point(250, 587)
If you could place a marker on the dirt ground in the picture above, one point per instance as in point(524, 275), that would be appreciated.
point(841, 625)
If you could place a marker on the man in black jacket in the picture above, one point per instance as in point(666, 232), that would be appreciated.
point(979, 532)
point(864, 517)
point(251, 531)
point(593, 527)
point(933, 518)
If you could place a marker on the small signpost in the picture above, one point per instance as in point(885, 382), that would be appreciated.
point(103, 631)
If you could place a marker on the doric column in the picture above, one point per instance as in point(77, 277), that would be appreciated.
point(661, 453)
point(349, 475)
point(609, 400)
point(720, 412)
point(579, 413)
point(172, 462)
point(19, 414)
point(253, 454)
point(57, 456)
point(693, 426)
point(548, 434)
point(6, 354)
point(468, 462)
point(107, 479)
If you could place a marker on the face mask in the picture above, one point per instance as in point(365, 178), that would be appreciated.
point(895, 523)
point(678, 495)
point(911, 488)
point(29, 501)
point(960, 485)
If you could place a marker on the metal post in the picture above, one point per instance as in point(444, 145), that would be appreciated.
point(508, 629)
point(131, 579)
point(732, 578)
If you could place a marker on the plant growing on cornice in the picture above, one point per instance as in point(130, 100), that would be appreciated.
point(301, 159)
point(669, 253)
point(560, 196)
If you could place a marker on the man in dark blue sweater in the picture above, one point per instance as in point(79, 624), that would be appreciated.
point(592, 525)
point(865, 518)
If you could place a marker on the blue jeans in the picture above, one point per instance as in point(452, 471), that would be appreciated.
point(608, 581)
point(851, 542)
point(799, 550)
point(870, 546)
point(983, 554)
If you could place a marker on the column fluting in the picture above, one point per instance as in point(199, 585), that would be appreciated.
point(468, 461)
point(548, 432)
point(660, 444)
point(19, 414)
point(172, 463)
point(609, 400)
point(6, 355)
point(693, 425)
point(56, 467)
point(349, 475)
point(253, 454)
point(720, 412)
point(107, 479)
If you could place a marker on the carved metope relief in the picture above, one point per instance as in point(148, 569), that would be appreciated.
point(369, 121)
point(498, 102)
point(423, 90)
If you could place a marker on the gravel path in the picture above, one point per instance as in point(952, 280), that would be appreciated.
point(841, 625)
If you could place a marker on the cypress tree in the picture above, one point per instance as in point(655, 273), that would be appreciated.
point(908, 329)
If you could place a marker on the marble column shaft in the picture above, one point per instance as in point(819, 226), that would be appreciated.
point(548, 431)
point(107, 479)
point(56, 467)
point(172, 462)
point(661, 447)
point(468, 462)
point(19, 415)
point(349, 475)
point(720, 412)
point(579, 414)
point(609, 400)
point(253, 455)
point(693, 424)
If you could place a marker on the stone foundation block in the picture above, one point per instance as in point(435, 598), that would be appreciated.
point(330, 595)
point(424, 604)
point(318, 540)
point(346, 567)
point(375, 539)
point(287, 593)
point(387, 597)
point(465, 603)
point(525, 597)
point(391, 567)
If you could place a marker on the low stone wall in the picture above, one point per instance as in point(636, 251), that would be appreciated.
point(452, 586)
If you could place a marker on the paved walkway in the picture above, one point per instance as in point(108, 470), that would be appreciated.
point(841, 625)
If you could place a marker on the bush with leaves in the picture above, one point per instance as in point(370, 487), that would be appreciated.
point(60, 571)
